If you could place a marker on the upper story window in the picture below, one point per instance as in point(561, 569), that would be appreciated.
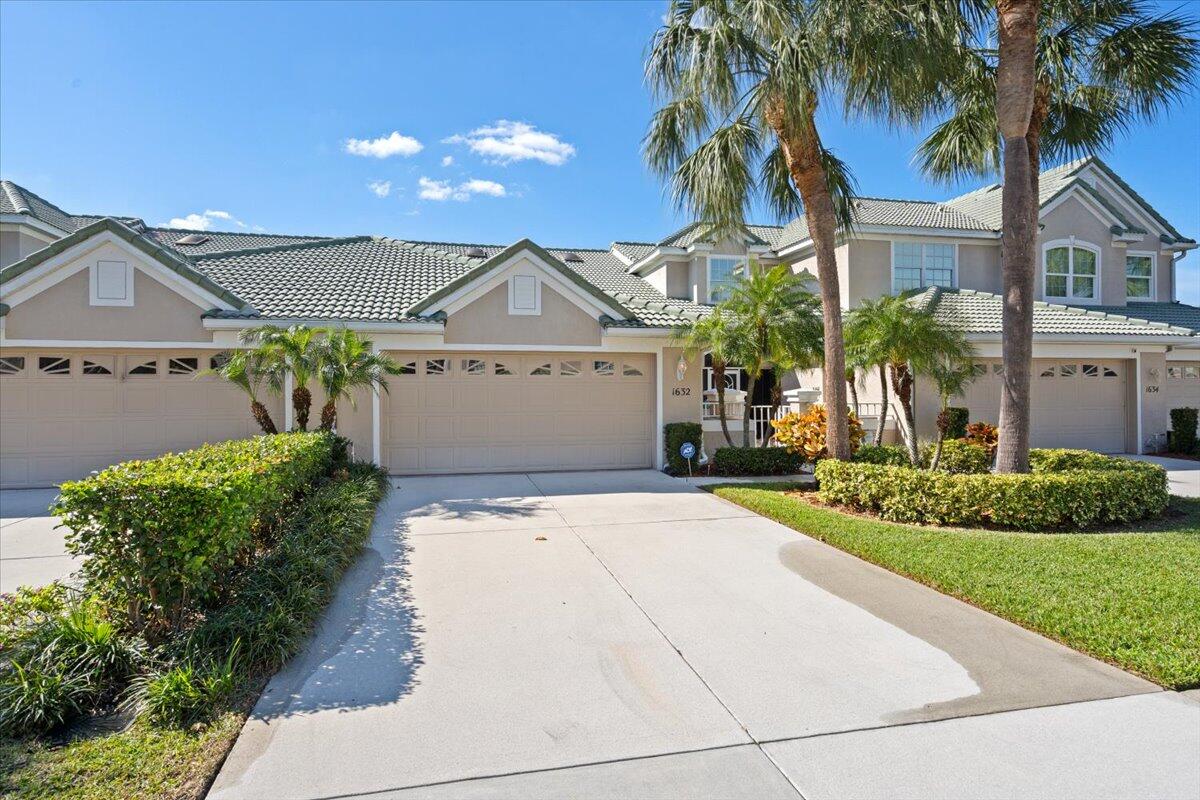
point(917, 265)
point(1071, 271)
point(1139, 276)
point(723, 273)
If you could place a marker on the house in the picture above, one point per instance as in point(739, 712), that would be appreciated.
point(523, 357)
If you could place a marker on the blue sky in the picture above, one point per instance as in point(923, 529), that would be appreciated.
point(169, 110)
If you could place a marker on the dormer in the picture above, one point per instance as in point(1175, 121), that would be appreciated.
point(693, 264)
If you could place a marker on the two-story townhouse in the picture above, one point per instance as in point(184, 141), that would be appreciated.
point(521, 358)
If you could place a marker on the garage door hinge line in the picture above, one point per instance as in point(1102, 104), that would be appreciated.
point(666, 638)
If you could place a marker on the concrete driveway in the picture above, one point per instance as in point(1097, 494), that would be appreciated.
point(622, 634)
point(31, 549)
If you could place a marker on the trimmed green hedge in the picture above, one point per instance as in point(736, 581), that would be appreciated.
point(674, 435)
point(159, 536)
point(891, 454)
point(1067, 490)
point(732, 461)
point(1183, 429)
point(959, 456)
point(957, 418)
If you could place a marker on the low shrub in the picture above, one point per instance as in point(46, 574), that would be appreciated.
point(956, 418)
point(756, 461)
point(674, 435)
point(159, 536)
point(1183, 430)
point(891, 454)
point(958, 457)
point(985, 435)
point(183, 694)
point(1064, 460)
point(1120, 491)
point(804, 432)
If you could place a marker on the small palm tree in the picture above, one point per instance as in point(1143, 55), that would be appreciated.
point(1067, 77)
point(346, 361)
point(714, 335)
point(248, 370)
point(740, 83)
point(863, 349)
point(910, 341)
point(288, 350)
point(777, 323)
point(951, 379)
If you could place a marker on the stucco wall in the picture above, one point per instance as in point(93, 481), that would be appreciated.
point(843, 257)
point(15, 245)
point(682, 399)
point(487, 321)
point(63, 312)
point(979, 267)
point(1072, 218)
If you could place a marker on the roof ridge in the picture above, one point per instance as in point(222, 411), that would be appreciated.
point(277, 248)
point(16, 197)
point(227, 233)
point(26, 193)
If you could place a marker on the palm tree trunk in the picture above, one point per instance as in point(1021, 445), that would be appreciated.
point(802, 149)
point(718, 373)
point(262, 417)
point(1015, 90)
point(883, 407)
point(301, 404)
point(328, 415)
point(747, 409)
point(937, 452)
point(853, 390)
point(776, 402)
point(902, 385)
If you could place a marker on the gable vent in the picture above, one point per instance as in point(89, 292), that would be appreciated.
point(575, 257)
point(476, 252)
point(192, 239)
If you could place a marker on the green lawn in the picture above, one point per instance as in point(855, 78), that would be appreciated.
point(1130, 597)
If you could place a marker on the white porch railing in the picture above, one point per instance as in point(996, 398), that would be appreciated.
point(760, 417)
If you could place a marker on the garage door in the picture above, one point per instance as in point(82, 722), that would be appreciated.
point(512, 412)
point(1078, 404)
point(67, 413)
point(1183, 384)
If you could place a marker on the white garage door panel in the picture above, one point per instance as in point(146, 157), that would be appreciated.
point(464, 421)
point(61, 427)
point(1183, 384)
point(1076, 403)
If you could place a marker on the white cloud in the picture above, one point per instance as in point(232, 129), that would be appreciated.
point(443, 190)
point(447, 161)
point(204, 221)
point(380, 188)
point(506, 141)
point(395, 144)
point(433, 190)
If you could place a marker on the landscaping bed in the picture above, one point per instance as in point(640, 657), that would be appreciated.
point(137, 685)
point(1126, 594)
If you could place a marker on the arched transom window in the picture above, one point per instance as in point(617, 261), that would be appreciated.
point(1071, 271)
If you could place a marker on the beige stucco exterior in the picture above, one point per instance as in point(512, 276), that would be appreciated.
point(16, 243)
point(63, 312)
point(487, 321)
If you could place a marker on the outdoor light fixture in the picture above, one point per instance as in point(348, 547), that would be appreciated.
point(680, 368)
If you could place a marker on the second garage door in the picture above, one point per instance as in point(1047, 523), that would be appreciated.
point(514, 412)
point(1077, 404)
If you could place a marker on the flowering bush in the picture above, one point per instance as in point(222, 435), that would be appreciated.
point(804, 433)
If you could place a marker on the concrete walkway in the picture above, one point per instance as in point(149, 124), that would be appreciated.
point(1183, 476)
point(623, 634)
point(32, 552)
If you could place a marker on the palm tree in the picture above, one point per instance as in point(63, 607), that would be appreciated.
point(714, 335)
point(1068, 77)
point(346, 361)
point(910, 341)
point(776, 323)
point(864, 351)
point(740, 82)
point(291, 350)
point(951, 377)
point(247, 370)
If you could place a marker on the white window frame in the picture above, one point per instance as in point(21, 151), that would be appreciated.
point(94, 297)
point(925, 284)
point(1153, 270)
point(742, 262)
point(512, 296)
point(1070, 297)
